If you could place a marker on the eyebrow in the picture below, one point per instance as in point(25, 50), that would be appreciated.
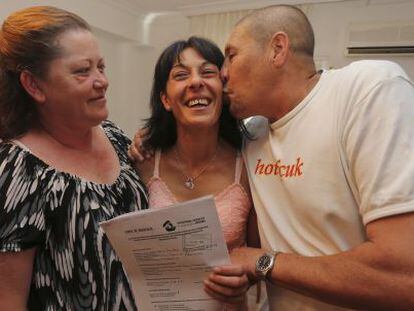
point(90, 60)
point(180, 64)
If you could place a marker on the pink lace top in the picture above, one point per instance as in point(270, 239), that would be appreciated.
point(233, 204)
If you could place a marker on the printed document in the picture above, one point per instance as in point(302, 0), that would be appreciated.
point(168, 252)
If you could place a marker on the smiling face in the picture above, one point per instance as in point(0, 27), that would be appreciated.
point(194, 91)
point(74, 88)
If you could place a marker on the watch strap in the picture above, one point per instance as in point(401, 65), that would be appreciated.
point(269, 273)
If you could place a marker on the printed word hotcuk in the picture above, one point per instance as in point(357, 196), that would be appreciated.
point(280, 169)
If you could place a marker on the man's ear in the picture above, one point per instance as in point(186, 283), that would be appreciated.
point(279, 48)
point(165, 101)
point(31, 84)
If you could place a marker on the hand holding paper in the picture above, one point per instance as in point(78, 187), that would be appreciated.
point(168, 253)
point(228, 284)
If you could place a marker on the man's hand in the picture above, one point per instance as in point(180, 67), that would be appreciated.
point(247, 257)
point(136, 151)
point(227, 284)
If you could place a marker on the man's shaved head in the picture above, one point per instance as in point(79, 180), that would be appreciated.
point(263, 23)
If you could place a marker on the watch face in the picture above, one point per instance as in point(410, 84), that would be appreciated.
point(263, 262)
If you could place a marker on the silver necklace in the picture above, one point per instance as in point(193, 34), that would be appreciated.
point(189, 181)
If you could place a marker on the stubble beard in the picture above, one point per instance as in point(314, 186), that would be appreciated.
point(235, 110)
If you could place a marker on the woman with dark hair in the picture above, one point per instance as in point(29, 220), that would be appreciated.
point(197, 143)
point(162, 128)
point(63, 168)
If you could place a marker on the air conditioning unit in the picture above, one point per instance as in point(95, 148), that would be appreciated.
point(380, 39)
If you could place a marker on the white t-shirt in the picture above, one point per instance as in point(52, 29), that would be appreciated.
point(340, 159)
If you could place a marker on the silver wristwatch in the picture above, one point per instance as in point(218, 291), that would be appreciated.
point(265, 264)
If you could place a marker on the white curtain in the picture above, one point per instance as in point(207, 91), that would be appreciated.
point(217, 27)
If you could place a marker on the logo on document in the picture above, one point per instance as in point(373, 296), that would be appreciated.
point(168, 226)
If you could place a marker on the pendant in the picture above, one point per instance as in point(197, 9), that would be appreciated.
point(189, 183)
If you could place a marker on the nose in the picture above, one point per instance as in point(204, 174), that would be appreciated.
point(101, 81)
point(196, 81)
point(224, 73)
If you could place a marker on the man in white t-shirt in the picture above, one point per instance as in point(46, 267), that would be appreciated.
point(331, 169)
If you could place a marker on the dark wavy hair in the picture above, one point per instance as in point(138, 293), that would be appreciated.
point(28, 42)
point(161, 126)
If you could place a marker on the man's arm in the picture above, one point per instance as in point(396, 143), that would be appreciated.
point(15, 277)
point(378, 274)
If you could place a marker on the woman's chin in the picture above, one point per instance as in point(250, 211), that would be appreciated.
point(98, 118)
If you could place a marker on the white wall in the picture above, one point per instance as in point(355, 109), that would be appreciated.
point(330, 22)
point(129, 70)
point(99, 13)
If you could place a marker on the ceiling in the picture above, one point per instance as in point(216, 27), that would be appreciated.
point(180, 5)
point(194, 7)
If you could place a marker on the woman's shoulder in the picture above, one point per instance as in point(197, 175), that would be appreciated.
point(21, 191)
point(234, 161)
point(229, 154)
point(13, 154)
point(114, 131)
point(118, 139)
point(18, 163)
point(6, 146)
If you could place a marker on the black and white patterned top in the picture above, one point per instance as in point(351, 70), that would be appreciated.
point(75, 267)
